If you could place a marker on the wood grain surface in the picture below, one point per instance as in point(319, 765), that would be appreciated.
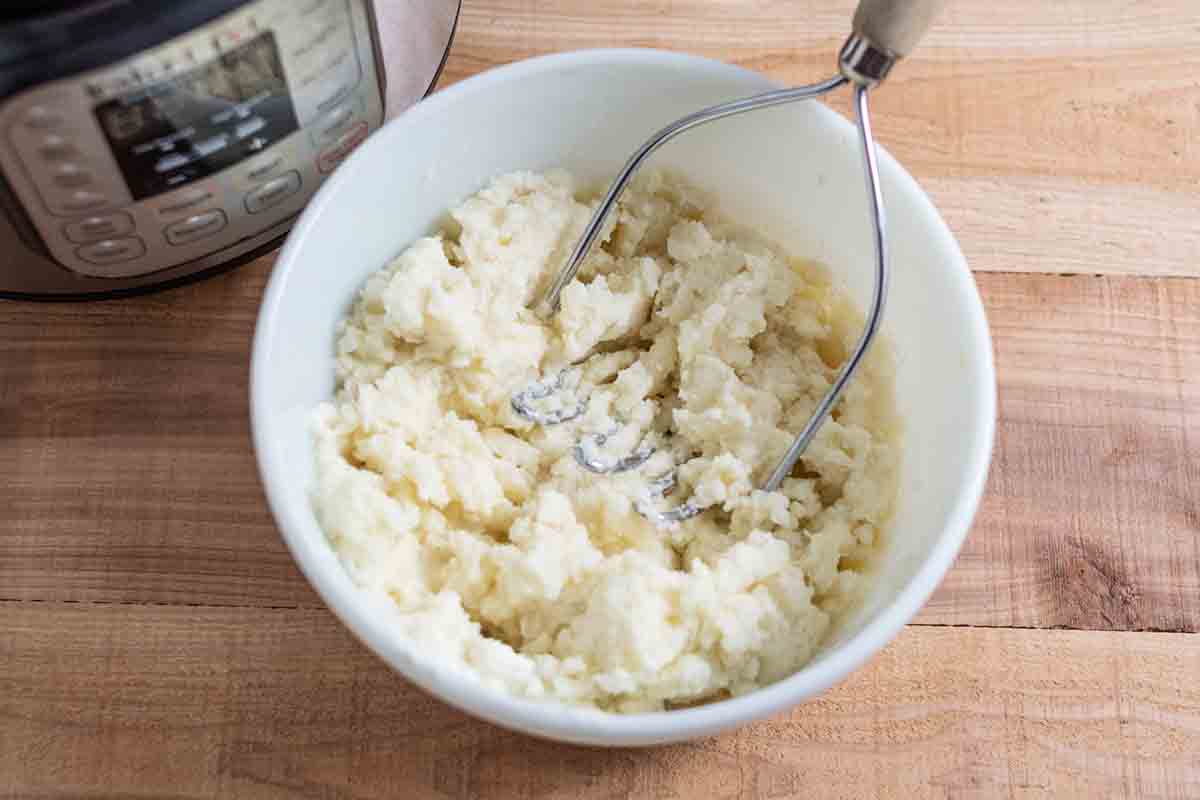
point(1055, 137)
point(137, 483)
point(172, 702)
point(156, 640)
point(1092, 516)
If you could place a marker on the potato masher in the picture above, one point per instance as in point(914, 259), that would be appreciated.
point(883, 32)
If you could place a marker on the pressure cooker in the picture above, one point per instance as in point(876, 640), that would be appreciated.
point(148, 142)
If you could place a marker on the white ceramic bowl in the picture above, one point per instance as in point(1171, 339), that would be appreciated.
point(792, 171)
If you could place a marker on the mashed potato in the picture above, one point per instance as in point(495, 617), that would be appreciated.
point(507, 559)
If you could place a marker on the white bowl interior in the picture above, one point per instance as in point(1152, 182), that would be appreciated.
point(794, 172)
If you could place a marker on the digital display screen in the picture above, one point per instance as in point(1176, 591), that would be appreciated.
point(200, 122)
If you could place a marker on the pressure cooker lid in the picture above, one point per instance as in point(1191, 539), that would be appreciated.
point(11, 10)
point(41, 40)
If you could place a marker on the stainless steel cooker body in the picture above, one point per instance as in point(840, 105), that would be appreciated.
point(163, 142)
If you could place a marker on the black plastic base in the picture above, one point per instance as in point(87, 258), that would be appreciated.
point(150, 288)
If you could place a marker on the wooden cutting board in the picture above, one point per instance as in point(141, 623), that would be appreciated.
point(156, 640)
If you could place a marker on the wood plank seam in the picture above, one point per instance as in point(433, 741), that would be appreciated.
point(917, 623)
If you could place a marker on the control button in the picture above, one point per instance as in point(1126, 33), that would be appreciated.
point(249, 127)
point(56, 148)
point(82, 200)
point(327, 27)
point(41, 117)
point(70, 176)
point(337, 96)
point(333, 122)
point(342, 147)
point(262, 169)
point(185, 201)
point(326, 32)
point(196, 227)
point(171, 162)
point(312, 7)
point(108, 226)
point(112, 251)
point(273, 192)
point(211, 145)
point(344, 58)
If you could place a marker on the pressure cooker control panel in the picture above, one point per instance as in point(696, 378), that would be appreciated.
point(204, 141)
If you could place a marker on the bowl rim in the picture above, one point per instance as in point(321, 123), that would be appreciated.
point(586, 726)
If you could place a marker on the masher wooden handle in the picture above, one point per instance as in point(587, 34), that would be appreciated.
point(895, 25)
